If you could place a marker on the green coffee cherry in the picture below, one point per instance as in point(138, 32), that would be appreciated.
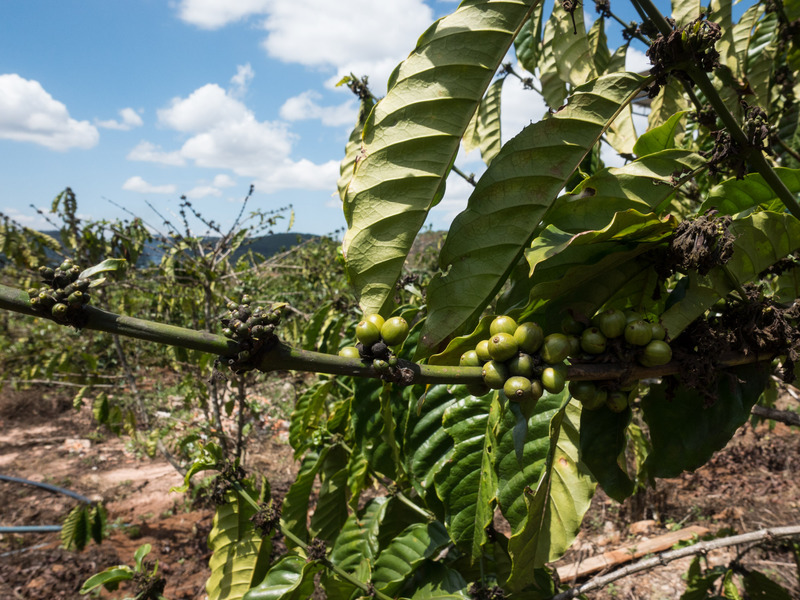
point(478, 389)
point(593, 341)
point(503, 324)
point(394, 331)
point(375, 319)
point(638, 333)
point(482, 350)
point(350, 352)
point(367, 333)
point(59, 311)
point(555, 348)
point(611, 323)
point(571, 326)
point(588, 394)
point(381, 366)
point(617, 401)
point(517, 389)
point(502, 346)
point(554, 378)
point(495, 374)
point(529, 337)
point(655, 354)
point(659, 333)
point(521, 365)
point(470, 359)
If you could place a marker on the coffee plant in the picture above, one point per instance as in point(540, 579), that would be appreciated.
point(578, 314)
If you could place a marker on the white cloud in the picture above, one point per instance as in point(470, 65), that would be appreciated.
point(241, 81)
point(222, 133)
point(146, 152)
point(29, 114)
point(636, 61)
point(139, 185)
point(213, 14)
point(130, 119)
point(366, 37)
point(201, 191)
point(304, 106)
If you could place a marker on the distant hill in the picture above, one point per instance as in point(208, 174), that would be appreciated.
point(266, 245)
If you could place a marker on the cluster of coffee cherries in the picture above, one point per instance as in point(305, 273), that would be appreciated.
point(520, 360)
point(64, 294)
point(623, 334)
point(376, 337)
point(252, 328)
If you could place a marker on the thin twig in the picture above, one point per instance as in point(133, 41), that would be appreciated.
point(783, 416)
point(667, 557)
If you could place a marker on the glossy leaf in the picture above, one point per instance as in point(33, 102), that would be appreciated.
point(75, 531)
point(761, 51)
point(442, 583)
point(685, 432)
point(760, 587)
point(467, 482)
point(486, 240)
point(239, 554)
point(291, 578)
point(359, 535)
point(331, 509)
point(573, 55)
point(670, 100)
point(743, 33)
point(295, 504)
point(761, 240)
point(736, 195)
point(306, 415)
point(412, 136)
point(398, 561)
point(353, 149)
point(602, 435)
point(555, 508)
point(483, 131)
point(109, 579)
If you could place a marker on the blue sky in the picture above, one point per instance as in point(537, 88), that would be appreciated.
point(146, 100)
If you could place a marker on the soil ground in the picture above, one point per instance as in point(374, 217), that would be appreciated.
point(751, 484)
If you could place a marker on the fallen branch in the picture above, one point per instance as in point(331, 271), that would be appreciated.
point(784, 416)
point(667, 557)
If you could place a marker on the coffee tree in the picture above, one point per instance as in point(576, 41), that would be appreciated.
point(579, 313)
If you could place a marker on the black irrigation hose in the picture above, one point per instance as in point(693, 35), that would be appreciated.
point(48, 487)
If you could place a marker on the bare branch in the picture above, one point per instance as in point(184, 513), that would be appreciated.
point(666, 557)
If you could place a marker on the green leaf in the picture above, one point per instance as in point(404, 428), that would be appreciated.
point(685, 432)
point(442, 583)
point(412, 136)
point(556, 507)
point(291, 578)
point(758, 586)
point(698, 584)
point(319, 319)
point(467, 481)
point(97, 523)
point(306, 415)
point(240, 556)
point(736, 195)
point(554, 89)
point(761, 51)
point(109, 264)
point(721, 14)
point(432, 444)
point(398, 561)
point(643, 185)
point(330, 513)
point(661, 137)
point(685, 11)
point(483, 131)
point(359, 536)
point(761, 240)
point(296, 502)
point(729, 589)
point(527, 44)
point(598, 46)
point(743, 34)
point(353, 148)
point(602, 441)
point(573, 55)
point(138, 556)
point(75, 531)
point(486, 240)
point(209, 457)
point(670, 100)
point(109, 579)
